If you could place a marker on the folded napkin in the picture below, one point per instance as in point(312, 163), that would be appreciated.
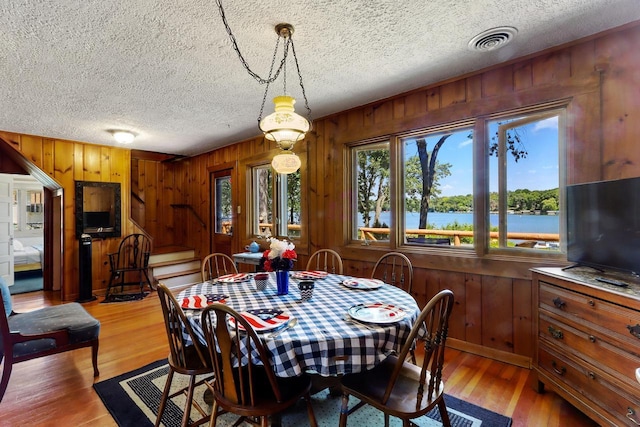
point(201, 301)
point(310, 275)
point(264, 319)
point(233, 278)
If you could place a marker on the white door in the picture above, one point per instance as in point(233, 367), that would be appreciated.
point(6, 228)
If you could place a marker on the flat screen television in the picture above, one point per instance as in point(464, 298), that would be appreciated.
point(97, 220)
point(603, 224)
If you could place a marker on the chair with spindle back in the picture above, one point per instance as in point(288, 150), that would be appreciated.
point(249, 389)
point(400, 388)
point(217, 264)
point(186, 357)
point(325, 260)
point(395, 269)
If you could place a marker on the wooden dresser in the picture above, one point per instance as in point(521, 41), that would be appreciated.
point(588, 341)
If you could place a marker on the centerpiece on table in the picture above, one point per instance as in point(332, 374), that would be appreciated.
point(279, 258)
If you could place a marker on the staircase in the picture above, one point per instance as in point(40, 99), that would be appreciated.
point(175, 266)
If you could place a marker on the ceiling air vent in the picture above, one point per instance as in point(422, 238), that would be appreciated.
point(492, 39)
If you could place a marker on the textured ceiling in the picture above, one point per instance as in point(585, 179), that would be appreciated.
point(165, 69)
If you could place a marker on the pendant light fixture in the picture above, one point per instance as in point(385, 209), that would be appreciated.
point(284, 126)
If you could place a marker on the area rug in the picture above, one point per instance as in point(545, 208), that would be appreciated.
point(133, 398)
point(125, 297)
point(26, 281)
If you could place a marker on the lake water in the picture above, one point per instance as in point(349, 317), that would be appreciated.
point(516, 223)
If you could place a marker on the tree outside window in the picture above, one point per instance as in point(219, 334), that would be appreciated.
point(371, 166)
point(525, 180)
point(276, 203)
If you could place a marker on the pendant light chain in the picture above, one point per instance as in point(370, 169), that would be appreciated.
point(270, 80)
point(304, 94)
point(259, 79)
point(285, 31)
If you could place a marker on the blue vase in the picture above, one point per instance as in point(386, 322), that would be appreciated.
point(282, 279)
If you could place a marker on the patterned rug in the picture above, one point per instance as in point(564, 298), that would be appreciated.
point(132, 399)
point(125, 297)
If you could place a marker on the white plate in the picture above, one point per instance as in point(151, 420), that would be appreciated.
point(313, 275)
point(233, 278)
point(377, 313)
point(361, 283)
point(263, 320)
point(201, 301)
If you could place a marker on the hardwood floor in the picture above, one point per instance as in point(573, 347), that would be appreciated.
point(57, 390)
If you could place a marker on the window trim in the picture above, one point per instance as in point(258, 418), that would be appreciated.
point(352, 179)
point(481, 182)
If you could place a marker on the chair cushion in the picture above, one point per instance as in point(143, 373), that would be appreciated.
point(80, 325)
point(6, 296)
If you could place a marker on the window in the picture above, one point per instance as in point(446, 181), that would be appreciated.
point(434, 173)
point(371, 172)
point(277, 204)
point(438, 187)
point(28, 209)
point(262, 215)
point(524, 174)
point(224, 218)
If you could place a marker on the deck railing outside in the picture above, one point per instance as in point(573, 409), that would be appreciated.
point(369, 233)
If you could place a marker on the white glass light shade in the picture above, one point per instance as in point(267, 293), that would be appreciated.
point(123, 137)
point(284, 126)
point(286, 162)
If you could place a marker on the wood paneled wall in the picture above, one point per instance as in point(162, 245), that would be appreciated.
point(596, 77)
point(69, 161)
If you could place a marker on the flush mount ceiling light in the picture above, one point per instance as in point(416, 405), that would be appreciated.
point(284, 126)
point(123, 136)
point(492, 39)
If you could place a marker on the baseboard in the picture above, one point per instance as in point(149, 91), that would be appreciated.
point(499, 355)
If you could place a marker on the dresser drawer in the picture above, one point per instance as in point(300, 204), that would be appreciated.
point(622, 409)
point(593, 347)
point(618, 322)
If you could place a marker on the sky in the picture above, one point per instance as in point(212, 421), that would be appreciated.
point(538, 171)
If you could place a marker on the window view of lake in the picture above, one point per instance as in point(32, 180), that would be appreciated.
point(516, 222)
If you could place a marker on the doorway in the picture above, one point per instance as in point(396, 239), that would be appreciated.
point(51, 204)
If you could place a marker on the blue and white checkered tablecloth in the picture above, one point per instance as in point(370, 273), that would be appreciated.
point(323, 341)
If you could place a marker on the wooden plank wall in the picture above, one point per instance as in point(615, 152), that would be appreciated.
point(67, 162)
point(597, 77)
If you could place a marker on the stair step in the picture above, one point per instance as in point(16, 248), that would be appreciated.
point(161, 277)
point(175, 268)
point(163, 257)
point(182, 280)
point(157, 265)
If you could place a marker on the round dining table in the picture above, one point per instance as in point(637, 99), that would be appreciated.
point(326, 340)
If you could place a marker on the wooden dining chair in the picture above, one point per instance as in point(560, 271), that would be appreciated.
point(251, 389)
point(325, 260)
point(186, 358)
point(398, 387)
point(132, 259)
point(216, 265)
point(396, 269)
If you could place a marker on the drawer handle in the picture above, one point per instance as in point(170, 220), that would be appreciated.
point(634, 330)
point(631, 414)
point(592, 375)
point(556, 333)
point(559, 303)
point(592, 338)
point(559, 371)
point(592, 303)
